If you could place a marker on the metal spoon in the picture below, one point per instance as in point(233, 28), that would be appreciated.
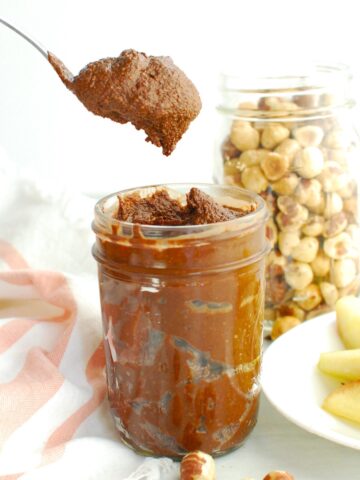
point(27, 37)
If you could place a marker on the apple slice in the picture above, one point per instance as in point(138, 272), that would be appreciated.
point(344, 402)
point(348, 321)
point(344, 364)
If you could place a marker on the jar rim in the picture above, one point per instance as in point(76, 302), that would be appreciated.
point(311, 79)
point(308, 76)
point(247, 220)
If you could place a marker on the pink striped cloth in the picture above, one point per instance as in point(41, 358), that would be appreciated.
point(54, 417)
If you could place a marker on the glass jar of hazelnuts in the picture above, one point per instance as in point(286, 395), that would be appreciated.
point(291, 139)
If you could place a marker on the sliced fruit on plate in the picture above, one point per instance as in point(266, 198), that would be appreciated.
point(348, 321)
point(344, 364)
point(344, 402)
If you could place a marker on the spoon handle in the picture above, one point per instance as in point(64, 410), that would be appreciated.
point(27, 37)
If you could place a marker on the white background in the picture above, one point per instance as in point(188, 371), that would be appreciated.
point(46, 130)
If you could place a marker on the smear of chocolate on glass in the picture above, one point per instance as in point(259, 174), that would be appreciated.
point(150, 92)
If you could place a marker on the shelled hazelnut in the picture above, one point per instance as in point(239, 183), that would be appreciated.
point(300, 167)
point(282, 325)
point(278, 475)
point(197, 465)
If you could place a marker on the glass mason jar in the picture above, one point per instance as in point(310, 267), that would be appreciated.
point(182, 312)
point(291, 140)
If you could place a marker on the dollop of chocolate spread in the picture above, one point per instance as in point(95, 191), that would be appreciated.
point(150, 92)
point(160, 209)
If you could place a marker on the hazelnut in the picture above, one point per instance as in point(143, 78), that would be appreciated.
point(269, 314)
point(244, 136)
point(293, 221)
point(287, 241)
point(253, 179)
point(320, 207)
point(349, 189)
point(320, 310)
point(351, 289)
point(249, 158)
point(274, 165)
point(321, 264)
point(354, 232)
point(286, 185)
point(309, 297)
point(339, 247)
point(232, 166)
point(272, 135)
point(339, 156)
point(308, 192)
point(309, 136)
point(278, 475)
point(335, 225)
point(288, 148)
point(270, 199)
point(271, 232)
point(307, 100)
point(337, 139)
point(298, 275)
point(329, 293)
point(276, 288)
point(309, 162)
point(282, 325)
point(306, 249)
point(351, 205)
point(275, 258)
point(276, 104)
point(247, 106)
point(343, 272)
point(269, 103)
point(285, 107)
point(228, 150)
point(288, 205)
point(332, 178)
point(197, 466)
point(291, 309)
point(314, 226)
point(333, 204)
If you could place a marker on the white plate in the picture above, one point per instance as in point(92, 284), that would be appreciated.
point(292, 383)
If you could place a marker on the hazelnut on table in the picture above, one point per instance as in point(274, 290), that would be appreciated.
point(279, 475)
point(197, 465)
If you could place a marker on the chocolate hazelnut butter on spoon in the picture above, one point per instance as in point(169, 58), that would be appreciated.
point(150, 92)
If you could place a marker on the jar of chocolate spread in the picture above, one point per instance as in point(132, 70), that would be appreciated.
point(181, 274)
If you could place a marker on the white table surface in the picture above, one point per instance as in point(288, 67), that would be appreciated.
point(277, 444)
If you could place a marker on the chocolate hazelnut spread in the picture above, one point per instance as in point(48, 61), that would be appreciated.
point(160, 209)
point(182, 311)
point(150, 92)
